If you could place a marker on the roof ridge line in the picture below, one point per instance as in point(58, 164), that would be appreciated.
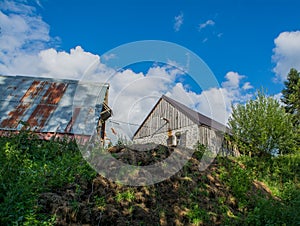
point(195, 116)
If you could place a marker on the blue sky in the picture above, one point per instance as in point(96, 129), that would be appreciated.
point(241, 37)
point(246, 44)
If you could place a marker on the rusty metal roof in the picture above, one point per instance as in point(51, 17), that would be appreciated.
point(50, 105)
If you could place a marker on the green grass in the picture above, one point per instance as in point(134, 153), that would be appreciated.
point(127, 195)
point(197, 215)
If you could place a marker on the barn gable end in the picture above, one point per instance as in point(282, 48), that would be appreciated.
point(169, 118)
point(161, 119)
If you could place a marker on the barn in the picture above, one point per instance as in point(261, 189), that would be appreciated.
point(172, 123)
point(53, 107)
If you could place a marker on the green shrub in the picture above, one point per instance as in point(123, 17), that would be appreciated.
point(30, 166)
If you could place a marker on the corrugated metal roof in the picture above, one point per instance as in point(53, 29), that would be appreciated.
point(50, 105)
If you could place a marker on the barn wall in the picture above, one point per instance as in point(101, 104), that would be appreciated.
point(210, 138)
point(189, 137)
point(154, 124)
point(155, 129)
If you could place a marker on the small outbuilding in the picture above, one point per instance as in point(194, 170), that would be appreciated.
point(172, 123)
point(53, 107)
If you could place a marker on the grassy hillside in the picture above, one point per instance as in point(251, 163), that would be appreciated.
point(49, 183)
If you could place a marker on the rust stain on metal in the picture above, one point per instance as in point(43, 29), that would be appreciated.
point(54, 93)
point(14, 116)
point(34, 90)
point(40, 115)
point(49, 102)
point(42, 111)
point(38, 103)
point(73, 119)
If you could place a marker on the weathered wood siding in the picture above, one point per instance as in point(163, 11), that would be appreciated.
point(154, 124)
point(211, 138)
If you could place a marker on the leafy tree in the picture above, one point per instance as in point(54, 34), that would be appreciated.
point(291, 95)
point(262, 127)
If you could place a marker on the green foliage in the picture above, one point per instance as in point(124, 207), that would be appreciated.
point(238, 179)
point(100, 202)
point(291, 95)
point(197, 215)
point(127, 195)
point(30, 166)
point(275, 212)
point(276, 171)
point(261, 127)
point(199, 150)
point(291, 99)
point(282, 175)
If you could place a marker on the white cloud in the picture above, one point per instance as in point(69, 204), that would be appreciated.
point(132, 95)
point(178, 22)
point(235, 89)
point(204, 40)
point(51, 63)
point(107, 57)
point(74, 65)
point(206, 23)
point(247, 86)
point(233, 80)
point(38, 2)
point(23, 35)
point(16, 7)
point(286, 53)
point(20, 27)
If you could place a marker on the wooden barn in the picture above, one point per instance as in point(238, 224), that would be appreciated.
point(172, 123)
point(53, 107)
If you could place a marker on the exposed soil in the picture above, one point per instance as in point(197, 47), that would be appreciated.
point(103, 202)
